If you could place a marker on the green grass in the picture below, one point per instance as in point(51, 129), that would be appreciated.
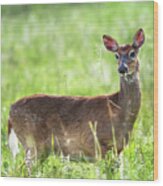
point(58, 49)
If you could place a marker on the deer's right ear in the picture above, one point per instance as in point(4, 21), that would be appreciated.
point(110, 43)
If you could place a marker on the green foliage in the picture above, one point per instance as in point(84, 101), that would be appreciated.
point(58, 49)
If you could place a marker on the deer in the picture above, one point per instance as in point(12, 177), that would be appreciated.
point(35, 120)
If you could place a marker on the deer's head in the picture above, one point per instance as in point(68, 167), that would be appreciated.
point(126, 55)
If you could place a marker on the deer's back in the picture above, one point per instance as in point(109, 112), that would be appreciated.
point(67, 108)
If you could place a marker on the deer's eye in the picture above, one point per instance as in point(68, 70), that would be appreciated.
point(117, 56)
point(132, 54)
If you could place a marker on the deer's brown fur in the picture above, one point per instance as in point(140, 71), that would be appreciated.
point(38, 119)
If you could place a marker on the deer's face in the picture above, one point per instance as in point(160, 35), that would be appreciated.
point(127, 59)
point(126, 55)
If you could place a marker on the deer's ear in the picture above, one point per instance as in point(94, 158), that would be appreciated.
point(139, 38)
point(110, 43)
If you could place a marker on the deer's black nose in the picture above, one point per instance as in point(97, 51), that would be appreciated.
point(123, 69)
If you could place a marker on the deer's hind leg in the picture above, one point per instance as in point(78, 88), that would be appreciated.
point(28, 159)
point(31, 152)
point(29, 144)
point(37, 150)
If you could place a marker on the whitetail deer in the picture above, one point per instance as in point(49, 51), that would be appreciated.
point(35, 119)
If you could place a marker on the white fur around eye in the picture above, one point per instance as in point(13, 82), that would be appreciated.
point(132, 54)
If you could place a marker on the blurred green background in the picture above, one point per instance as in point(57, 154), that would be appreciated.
point(58, 49)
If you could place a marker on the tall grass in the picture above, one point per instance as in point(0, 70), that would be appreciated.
point(58, 49)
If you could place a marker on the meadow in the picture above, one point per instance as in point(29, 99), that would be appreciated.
point(58, 50)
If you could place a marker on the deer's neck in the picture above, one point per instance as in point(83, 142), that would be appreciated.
point(129, 95)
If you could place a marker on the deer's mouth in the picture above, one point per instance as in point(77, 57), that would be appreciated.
point(127, 74)
point(128, 77)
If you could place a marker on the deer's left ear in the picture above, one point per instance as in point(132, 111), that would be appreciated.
point(139, 38)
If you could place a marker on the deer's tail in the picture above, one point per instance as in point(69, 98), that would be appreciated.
point(12, 139)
